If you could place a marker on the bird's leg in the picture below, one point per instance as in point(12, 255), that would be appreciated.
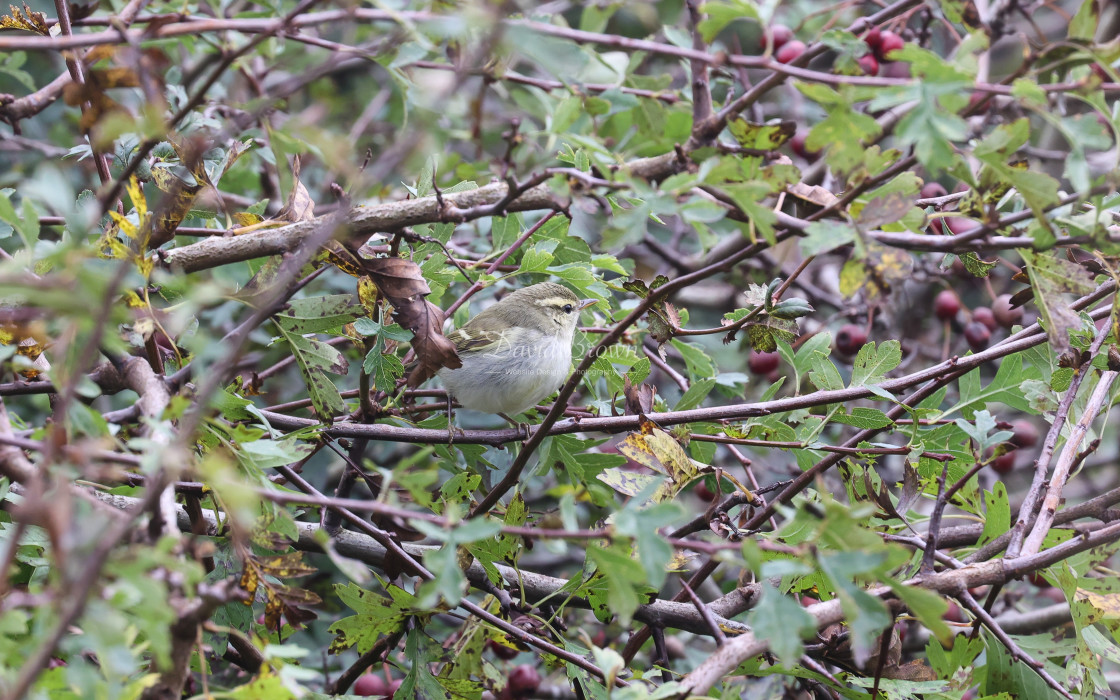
point(521, 427)
point(451, 429)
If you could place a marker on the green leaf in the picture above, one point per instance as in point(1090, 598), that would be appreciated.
point(695, 395)
point(1084, 24)
point(1051, 277)
point(385, 369)
point(720, 14)
point(873, 362)
point(314, 359)
point(997, 517)
point(624, 578)
point(376, 616)
point(864, 418)
point(1016, 678)
point(823, 236)
point(825, 376)
point(781, 620)
point(319, 314)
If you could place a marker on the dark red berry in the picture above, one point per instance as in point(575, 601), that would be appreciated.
point(1005, 463)
point(978, 101)
point(1025, 433)
point(371, 685)
point(889, 41)
point(1006, 314)
point(1038, 581)
point(932, 189)
point(873, 38)
point(984, 315)
point(959, 224)
point(849, 339)
point(869, 64)
point(1100, 72)
point(781, 34)
point(977, 335)
point(763, 362)
point(704, 493)
point(946, 304)
point(501, 650)
point(954, 613)
point(797, 145)
point(790, 52)
point(524, 681)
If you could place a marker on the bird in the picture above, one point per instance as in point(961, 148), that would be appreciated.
point(516, 352)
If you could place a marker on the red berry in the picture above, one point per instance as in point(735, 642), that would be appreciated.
point(873, 38)
point(976, 99)
point(1006, 314)
point(524, 681)
point(763, 362)
point(781, 34)
point(371, 685)
point(1038, 581)
point(704, 493)
point(501, 650)
point(790, 52)
point(849, 339)
point(932, 189)
point(977, 335)
point(1004, 463)
point(1025, 433)
point(797, 145)
point(946, 304)
point(984, 315)
point(959, 224)
point(889, 41)
point(954, 613)
point(868, 64)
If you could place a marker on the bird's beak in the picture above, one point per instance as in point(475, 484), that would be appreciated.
point(584, 303)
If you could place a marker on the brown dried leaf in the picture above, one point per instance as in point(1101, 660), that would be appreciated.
point(812, 193)
point(397, 278)
point(433, 350)
point(27, 21)
point(639, 401)
point(300, 206)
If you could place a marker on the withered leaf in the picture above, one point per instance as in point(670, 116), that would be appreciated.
point(300, 206)
point(432, 348)
point(27, 20)
point(639, 400)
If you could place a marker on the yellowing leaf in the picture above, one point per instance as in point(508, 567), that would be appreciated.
point(1108, 604)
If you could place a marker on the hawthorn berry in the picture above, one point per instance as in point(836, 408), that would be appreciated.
point(523, 681)
point(1005, 314)
point(984, 315)
point(888, 42)
point(932, 189)
point(946, 304)
point(371, 685)
point(790, 52)
point(1005, 463)
point(763, 362)
point(1025, 433)
point(977, 335)
point(849, 339)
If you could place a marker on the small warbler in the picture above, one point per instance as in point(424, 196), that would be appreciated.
point(516, 352)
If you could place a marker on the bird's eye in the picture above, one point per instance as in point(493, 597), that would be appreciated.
point(568, 308)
